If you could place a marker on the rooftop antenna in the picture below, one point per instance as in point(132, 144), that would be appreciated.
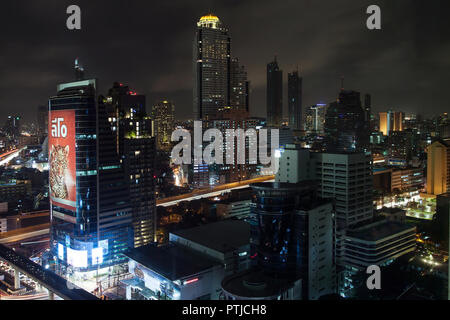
point(79, 70)
point(342, 83)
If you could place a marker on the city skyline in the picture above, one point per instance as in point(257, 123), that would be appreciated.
point(402, 69)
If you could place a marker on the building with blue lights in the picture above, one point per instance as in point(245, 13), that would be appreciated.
point(91, 218)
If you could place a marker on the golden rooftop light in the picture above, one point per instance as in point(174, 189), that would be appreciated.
point(209, 20)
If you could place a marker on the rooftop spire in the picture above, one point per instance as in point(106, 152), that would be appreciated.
point(79, 70)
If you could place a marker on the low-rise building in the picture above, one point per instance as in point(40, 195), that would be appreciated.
point(193, 264)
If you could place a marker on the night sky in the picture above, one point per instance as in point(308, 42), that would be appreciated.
point(148, 45)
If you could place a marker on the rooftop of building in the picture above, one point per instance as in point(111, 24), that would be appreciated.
point(222, 236)
point(254, 284)
point(392, 210)
point(283, 186)
point(379, 230)
point(171, 261)
point(209, 21)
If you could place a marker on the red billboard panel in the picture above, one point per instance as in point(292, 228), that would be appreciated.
point(62, 159)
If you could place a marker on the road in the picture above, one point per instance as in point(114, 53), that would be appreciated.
point(41, 230)
point(211, 192)
point(8, 156)
point(46, 278)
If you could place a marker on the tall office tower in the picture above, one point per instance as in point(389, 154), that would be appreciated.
point(274, 92)
point(295, 101)
point(345, 124)
point(346, 177)
point(239, 87)
point(391, 121)
point(89, 199)
point(292, 235)
point(315, 118)
point(136, 147)
point(164, 118)
point(212, 56)
point(42, 122)
point(438, 167)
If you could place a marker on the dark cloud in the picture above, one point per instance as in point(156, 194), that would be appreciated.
point(148, 44)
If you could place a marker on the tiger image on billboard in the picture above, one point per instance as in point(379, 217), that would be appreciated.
point(62, 159)
point(58, 167)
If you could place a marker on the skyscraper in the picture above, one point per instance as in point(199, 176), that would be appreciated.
point(274, 93)
point(346, 127)
point(391, 121)
point(212, 56)
point(239, 87)
point(136, 147)
point(89, 198)
point(295, 101)
point(163, 117)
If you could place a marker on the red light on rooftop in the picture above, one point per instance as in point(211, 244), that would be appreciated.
point(190, 281)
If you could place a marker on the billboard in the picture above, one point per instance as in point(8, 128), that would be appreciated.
point(62, 160)
point(77, 258)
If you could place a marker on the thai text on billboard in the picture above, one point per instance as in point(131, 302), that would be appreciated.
point(62, 159)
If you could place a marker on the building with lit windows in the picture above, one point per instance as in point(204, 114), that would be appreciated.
point(136, 147)
point(90, 213)
point(239, 87)
point(391, 121)
point(234, 119)
point(219, 80)
point(212, 58)
point(438, 167)
point(315, 118)
point(163, 115)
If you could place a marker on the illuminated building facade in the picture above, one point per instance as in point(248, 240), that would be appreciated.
point(212, 57)
point(401, 179)
point(295, 101)
point(391, 121)
point(163, 117)
point(136, 147)
point(292, 236)
point(274, 94)
point(438, 167)
point(90, 212)
point(233, 119)
point(315, 118)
